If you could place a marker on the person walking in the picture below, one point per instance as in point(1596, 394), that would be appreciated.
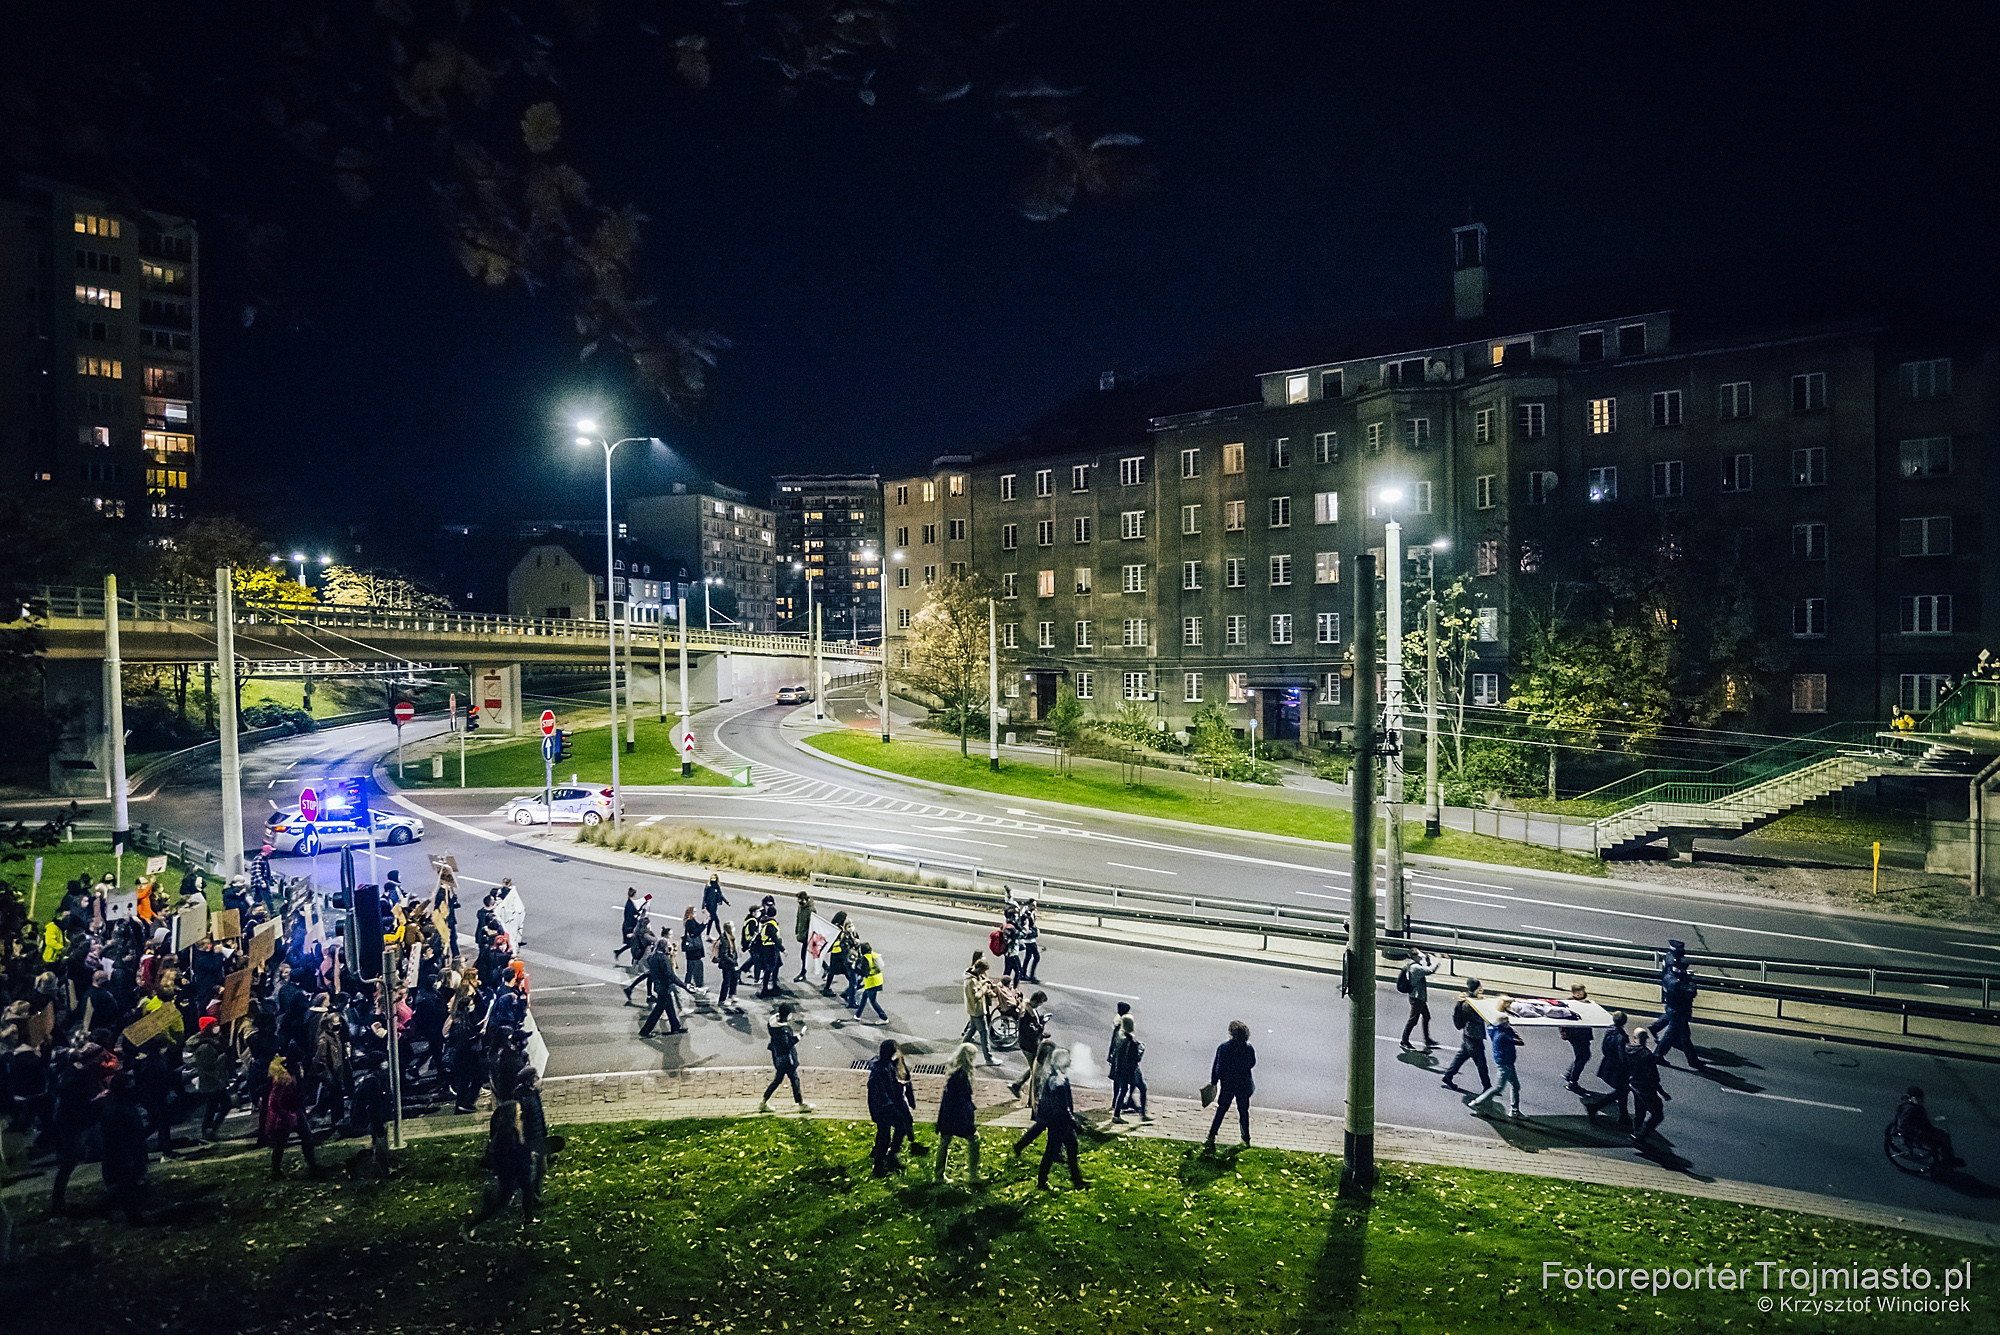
point(802, 926)
point(726, 961)
point(712, 900)
point(1124, 1057)
point(635, 910)
point(285, 1116)
point(836, 961)
point(121, 1130)
point(1649, 1107)
point(510, 1163)
point(1415, 980)
point(1033, 1028)
point(783, 1030)
point(1056, 1110)
point(1506, 1048)
point(957, 1116)
point(1614, 1069)
point(694, 947)
point(891, 1097)
point(1578, 1038)
point(976, 1025)
point(1029, 940)
point(771, 945)
point(871, 983)
point(214, 1073)
point(1007, 936)
point(1230, 1075)
point(661, 982)
point(1677, 993)
point(1471, 1039)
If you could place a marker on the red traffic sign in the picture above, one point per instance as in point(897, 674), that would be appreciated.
point(308, 804)
point(404, 711)
point(548, 722)
point(688, 746)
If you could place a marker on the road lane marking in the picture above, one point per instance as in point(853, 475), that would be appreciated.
point(1154, 870)
point(1095, 992)
point(567, 987)
point(1616, 940)
point(1973, 945)
point(1781, 1098)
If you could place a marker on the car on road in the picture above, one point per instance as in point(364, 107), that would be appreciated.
point(288, 831)
point(567, 805)
point(794, 695)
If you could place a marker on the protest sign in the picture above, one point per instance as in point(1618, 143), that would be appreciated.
point(1544, 1011)
point(150, 1025)
point(235, 997)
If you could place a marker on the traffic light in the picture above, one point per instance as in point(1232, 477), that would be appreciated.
point(367, 943)
point(562, 743)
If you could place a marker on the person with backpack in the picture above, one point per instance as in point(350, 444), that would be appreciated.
point(1471, 1039)
point(891, 1098)
point(957, 1116)
point(871, 983)
point(1123, 1059)
point(783, 1030)
point(1034, 1027)
point(1056, 1110)
point(510, 1161)
point(976, 1025)
point(1413, 981)
point(1029, 941)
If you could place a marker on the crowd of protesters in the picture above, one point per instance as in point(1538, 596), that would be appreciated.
point(143, 1019)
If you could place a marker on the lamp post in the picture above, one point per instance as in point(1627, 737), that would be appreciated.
point(585, 436)
point(707, 610)
point(1392, 705)
point(812, 639)
point(1433, 794)
point(882, 579)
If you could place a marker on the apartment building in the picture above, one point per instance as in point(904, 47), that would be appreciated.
point(830, 525)
point(1204, 553)
point(729, 541)
point(99, 372)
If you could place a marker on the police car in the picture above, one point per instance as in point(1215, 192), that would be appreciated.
point(289, 831)
point(566, 804)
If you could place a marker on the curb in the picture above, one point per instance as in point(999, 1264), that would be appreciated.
point(1420, 859)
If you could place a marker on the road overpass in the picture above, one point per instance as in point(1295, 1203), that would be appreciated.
point(286, 640)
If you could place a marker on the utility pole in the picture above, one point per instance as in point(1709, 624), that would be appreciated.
point(660, 642)
point(232, 762)
point(114, 700)
point(631, 707)
point(992, 687)
point(1392, 723)
point(1433, 795)
point(682, 631)
point(883, 567)
point(1357, 1172)
point(818, 688)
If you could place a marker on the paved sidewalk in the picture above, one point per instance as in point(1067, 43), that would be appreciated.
point(842, 1094)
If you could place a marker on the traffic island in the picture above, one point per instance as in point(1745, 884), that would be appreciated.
point(517, 764)
point(776, 1223)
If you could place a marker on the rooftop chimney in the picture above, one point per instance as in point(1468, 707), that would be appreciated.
point(1468, 279)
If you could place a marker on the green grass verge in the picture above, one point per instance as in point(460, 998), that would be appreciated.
point(1817, 824)
point(705, 848)
point(89, 858)
point(1230, 805)
point(771, 1226)
point(518, 764)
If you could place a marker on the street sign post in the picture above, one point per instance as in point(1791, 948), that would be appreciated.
point(687, 754)
point(308, 805)
point(551, 748)
point(548, 722)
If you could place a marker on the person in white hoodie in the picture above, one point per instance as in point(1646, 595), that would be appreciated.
point(512, 912)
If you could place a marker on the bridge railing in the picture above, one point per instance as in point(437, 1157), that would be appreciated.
point(87, 604)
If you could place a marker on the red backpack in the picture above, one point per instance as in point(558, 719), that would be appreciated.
point(996, 944)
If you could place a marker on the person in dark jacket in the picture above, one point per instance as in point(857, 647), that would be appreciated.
point(957, 1116)
point(123, 1132)
point(1578, 1038)
point(783, 1030)
point(1471, 1039)
point(285, 1116)
point(1033, 1028)
point(1649, 1105)
point(375, 1105)
point(1416, 981)
point(712, 900)
point(891, 1097)
point(1056, 1110)
point(1614, 1069)
point(1230, 1074)
point(1127, 1083)
point(694, 947)
point(635, 912)
point(660, 978)
point(511, 1164)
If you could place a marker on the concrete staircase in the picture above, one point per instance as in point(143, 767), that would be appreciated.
point(1725, 814)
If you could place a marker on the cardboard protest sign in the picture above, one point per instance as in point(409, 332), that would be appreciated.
point(154, 866)
point(1544, 1011)
point(41, 1024)
point(441, 863)
point(117, 907)
point(226, 925)
point(263, 943)
point(190, 924)
point(150, 1025)
point(235, 997)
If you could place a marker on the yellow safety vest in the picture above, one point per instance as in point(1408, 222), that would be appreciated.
point(874, 967)
point(53, 943)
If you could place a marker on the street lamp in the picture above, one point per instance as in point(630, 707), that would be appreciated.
point(1392, 701)
point(882, 583)
point(812, 640)
point(1433, 794)
point(707, 610)
point(586, 437)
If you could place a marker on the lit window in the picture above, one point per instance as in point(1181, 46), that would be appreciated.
point(1296, 388)
point(957, 482)
point(1603, 416)
point(1045, 583)
point(107, 297)
point(1081, 583)
point(930, 494)
point(1232, 458)
point(92, 225)
point(1487, 623)
point(1326, 507)
point(100, 366)
point(1239, 688)
point(1602, 484)
point(1326, 568)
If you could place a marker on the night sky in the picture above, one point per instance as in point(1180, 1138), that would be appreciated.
point(886, 304)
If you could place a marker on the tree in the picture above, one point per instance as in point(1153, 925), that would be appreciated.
point(1212, 739)
point(1458, 650)
point(205, 546)
point(270, 584)
point(1065, 720)
point(1577, 678)
point(948, 640)
point(346, 586)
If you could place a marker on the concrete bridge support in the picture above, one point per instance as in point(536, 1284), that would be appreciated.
point(73, 696)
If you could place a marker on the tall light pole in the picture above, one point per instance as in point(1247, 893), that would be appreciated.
point(812, 639)
point(882, 579)
point(1357, 1171)
point(1392, 706)
point(992, 686)
point(1433, 794)
point(707, 608)
point(585, 436)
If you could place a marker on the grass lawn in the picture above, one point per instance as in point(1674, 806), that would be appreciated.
point(777, 1226)
point(518, 764)
point(1231, 805)
point(85, 857)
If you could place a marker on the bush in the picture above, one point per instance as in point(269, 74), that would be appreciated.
point(1490, 765)
point(1333, 766)
point(706, 848)
point(268, 715)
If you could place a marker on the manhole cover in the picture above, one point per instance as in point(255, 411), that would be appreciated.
point(1832, 1058)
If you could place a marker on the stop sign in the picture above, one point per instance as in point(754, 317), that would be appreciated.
point(548, 722)
point(404, 711)
point(308, 804)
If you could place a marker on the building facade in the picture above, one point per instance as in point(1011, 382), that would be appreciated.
point(1206, 555)
point(557, 574)
point(100, 377)
point(830, 525)
point(727, 541)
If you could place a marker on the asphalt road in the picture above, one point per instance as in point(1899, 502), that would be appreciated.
point(1790, 1112)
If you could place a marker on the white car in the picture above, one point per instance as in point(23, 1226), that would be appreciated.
point(289, 832)
point(794, 695)
point(567, 805)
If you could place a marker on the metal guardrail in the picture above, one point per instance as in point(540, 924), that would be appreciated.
point(87, 604)
point(1771, 762)
point(148, 838)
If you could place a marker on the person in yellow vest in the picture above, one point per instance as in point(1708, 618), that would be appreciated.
point(871, 982)
point(54, 942)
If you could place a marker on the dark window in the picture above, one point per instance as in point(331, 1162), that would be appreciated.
point(1590, 346)
point(1631, 340)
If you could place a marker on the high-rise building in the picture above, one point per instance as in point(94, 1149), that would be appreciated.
point(726, 540)
point(99, 381)
point(830, 525)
